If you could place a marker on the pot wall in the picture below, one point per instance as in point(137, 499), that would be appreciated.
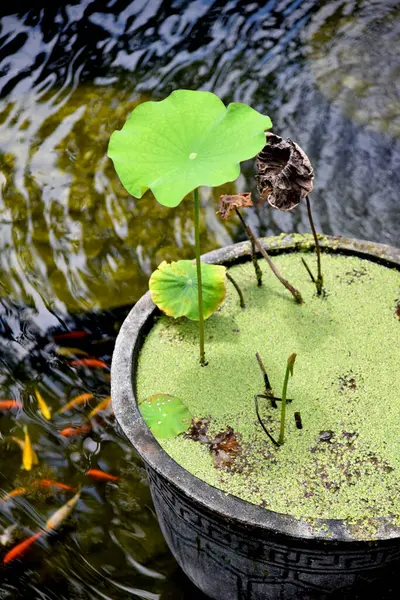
point(230, 549)
point(229, 561)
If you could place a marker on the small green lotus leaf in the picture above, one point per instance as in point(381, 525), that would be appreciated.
point(165, 415)
point(173, 288)
point(187, 140)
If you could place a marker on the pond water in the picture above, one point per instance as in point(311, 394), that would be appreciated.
point(76, 251)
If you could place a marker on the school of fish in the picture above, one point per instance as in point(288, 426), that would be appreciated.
point(29, 457)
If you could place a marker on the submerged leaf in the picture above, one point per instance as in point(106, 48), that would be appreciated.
point(165, 415)
point(284, 173)
point(185, 141)
point(228, 203)
point(173, 288)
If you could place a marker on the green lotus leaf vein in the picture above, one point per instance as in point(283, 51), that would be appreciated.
point(173, 288)
point(165, 415)
point(187, 140)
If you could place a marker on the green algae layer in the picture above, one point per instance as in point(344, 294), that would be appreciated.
point(345, 462)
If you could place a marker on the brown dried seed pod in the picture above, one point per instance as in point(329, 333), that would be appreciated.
point(284, 173)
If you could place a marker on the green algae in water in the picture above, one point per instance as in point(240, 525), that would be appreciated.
point(347, 382)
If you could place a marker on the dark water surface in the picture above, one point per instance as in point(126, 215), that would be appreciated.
point(76, 251)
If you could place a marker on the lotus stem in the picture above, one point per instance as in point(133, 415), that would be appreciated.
point(199, 283)
point(237, 288)
point(289, 371)
point(256, 266)
point(295, 293)
point(320, 280)
point(308, 270)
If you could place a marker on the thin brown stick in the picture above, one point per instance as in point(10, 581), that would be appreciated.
point(308, 270)
point(319, 281)
point(295, 293)
point(256, 266)
point(237, 288)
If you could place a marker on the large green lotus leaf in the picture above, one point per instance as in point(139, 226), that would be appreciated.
point(173, 288)
point(189, 139)
point(165, 415)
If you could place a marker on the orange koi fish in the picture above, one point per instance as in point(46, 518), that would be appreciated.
point(89, 362)
point(74, 430)
point(101, 475)
point(83, 398)
point(62, 513)
point(70, 352)
point(10, 404)
point(17, 492)
point(50, 483)
point(21, 548)
point(71, 335)
point(101, 406)
point(44, 409)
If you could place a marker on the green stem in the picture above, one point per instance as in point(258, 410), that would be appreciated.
point(283, 407)
point(319, 281)
point(198, 267)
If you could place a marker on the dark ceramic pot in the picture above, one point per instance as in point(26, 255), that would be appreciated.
point(231, 549)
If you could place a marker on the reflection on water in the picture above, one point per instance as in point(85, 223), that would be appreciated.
point(75, 248)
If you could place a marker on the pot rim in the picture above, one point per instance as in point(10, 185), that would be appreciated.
point(123, 370)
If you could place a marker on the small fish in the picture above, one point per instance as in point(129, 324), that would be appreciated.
point(7, 537)
point(83, 398)
point(44, 409)
point(71, 335)
point(21, 548)
point(27, 452)
point(74, 430)
point(57, 484)
point(89, 362)
point(17, 492)
point(21, 444)
point(103, 405)
point(101, 475)
point(10, 404)
point(62, 513)
point(70, 352)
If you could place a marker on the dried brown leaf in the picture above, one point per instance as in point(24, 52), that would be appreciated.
point(225, 448)
point(228, 203)
point(284, 173)
point(198, 431)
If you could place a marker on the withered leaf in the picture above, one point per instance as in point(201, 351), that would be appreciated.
point(284, 173)
point(225, 448)
point(228, 203)
point(198, 431)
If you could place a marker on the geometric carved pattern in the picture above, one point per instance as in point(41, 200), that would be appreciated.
point(236, 562)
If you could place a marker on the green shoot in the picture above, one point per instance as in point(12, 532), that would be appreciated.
point(289, 370)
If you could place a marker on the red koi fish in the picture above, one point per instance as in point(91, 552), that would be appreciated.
point(89, 362)
point(101, 475)
point(21, 548)
point(74, 430)
point(71, 335)
point(10, 404)
point(57, 484)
